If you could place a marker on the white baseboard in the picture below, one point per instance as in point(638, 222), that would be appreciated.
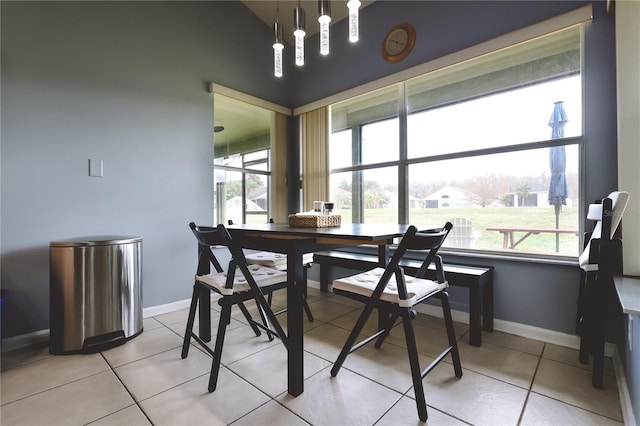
point(166, 308)
point(522, 330)
point(25, 340)
point(626, 406)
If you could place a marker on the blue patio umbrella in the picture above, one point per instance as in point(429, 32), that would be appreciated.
point(558, 191)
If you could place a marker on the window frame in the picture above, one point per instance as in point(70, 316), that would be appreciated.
point(403, 163)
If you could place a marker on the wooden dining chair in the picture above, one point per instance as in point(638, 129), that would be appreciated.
point(237, 284)
point(394, 293)
point(279, 261)
point(599, 262)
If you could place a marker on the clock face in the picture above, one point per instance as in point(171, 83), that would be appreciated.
point(398, 43)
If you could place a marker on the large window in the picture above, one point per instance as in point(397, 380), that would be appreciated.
point(242, 187)
point(473, 143)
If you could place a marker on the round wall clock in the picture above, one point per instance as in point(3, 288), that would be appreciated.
point(398, 43)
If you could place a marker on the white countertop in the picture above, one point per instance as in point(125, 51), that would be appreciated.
point(628, 289)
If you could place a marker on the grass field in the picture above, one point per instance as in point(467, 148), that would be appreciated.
point(482, 218)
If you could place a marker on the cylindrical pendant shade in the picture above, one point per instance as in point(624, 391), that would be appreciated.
point(324, 18)
point(299, 34)
point(278, 47)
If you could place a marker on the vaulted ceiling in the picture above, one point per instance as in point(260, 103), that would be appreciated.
point(267, 10)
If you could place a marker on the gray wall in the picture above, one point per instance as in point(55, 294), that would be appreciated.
point(125, 82)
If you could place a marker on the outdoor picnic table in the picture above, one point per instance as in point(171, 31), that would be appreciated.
point(509, 239)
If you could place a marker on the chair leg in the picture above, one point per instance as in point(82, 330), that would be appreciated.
point(249, 318)
point(225, 319)
point(307, 309)
point(262, 302)
point(346, 349)
point(416, 372)
point(387, 327)
point(451, 334)
point(191, 319)
point(263, 316)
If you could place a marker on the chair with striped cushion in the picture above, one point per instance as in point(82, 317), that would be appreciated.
point(394, 293)
point(238, 283)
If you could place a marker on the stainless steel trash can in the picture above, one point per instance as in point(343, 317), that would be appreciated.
point(95, 293)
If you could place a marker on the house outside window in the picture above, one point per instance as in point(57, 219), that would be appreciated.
point(470, 143)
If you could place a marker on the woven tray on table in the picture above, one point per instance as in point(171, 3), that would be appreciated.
point(314, 220)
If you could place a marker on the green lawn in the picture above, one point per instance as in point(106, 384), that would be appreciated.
point(482, 218)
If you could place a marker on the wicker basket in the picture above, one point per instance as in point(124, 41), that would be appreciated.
point(314, 220)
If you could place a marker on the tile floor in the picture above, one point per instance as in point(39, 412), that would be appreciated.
point(509, 380)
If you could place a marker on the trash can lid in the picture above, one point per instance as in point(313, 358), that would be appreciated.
point(96, 240)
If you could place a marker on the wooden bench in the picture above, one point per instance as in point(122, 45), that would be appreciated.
point(478, 279)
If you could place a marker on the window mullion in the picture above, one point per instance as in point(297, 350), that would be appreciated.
point(403, 175)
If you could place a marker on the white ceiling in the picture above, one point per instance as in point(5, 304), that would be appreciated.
point(266, 10)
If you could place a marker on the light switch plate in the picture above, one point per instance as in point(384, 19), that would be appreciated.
point(95, 168)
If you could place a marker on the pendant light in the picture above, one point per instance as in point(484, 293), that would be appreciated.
point(299, 33)
point(324, 18)
point(278, 47)
point(353, 6)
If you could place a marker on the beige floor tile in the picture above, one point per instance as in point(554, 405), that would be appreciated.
point(180, 315)
point(388, 365)
point(157, 373)
point(431, 342)
point(151, 323)
point(332, 297)
point(241, 342)
point(179, 327)
point(271, 413)
point(267, 370)
point(50, 372)
point(326, 341)
point(541, 410)
point(518, 343)
point(438, 323)
point(345, 399)
point(405, 413)
point(280, 296)
point(349, 320)
point(573, 386)
point(474, 398)
point(517, 368)
point(327, 310)
point(313, 290)
point(130, 416)
point(146, 344)
point(20, 356)
point(571, 357)
point(191, 403)
point(79, 389)
point(78, 402)
point(306, 324)
point(252, 307)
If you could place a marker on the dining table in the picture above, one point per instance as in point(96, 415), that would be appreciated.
point(294, 242)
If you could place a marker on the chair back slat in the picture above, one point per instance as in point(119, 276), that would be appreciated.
point(208, 237)
point(429, 242)
point(426, 242)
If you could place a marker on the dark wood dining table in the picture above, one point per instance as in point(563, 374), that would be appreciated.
point(294, 242)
